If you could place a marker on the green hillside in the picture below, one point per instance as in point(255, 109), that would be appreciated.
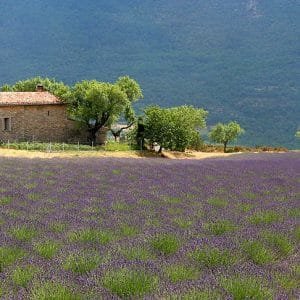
point(239, 59)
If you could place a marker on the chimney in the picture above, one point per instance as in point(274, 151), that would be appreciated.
point(40, 88)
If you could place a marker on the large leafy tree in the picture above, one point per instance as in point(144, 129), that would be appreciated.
point(173, 128)
point(134, 93)
point(96, 105)
point(57, 88)
point(225, 133)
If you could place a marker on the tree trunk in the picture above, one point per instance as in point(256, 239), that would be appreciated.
point(160, 149)
point(116, 135)
point(92, 136)
point(225, 146)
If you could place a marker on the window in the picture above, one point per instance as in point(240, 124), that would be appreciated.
point(6, 124)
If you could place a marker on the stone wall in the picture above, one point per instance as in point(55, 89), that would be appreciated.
point(42, 123)
point(37, 123)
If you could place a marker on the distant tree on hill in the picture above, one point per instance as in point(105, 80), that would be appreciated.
point(96, 105)
point(57, 88)
point(225, 133)
point(173, 128)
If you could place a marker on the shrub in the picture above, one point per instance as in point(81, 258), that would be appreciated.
point(166, 244)
point(213, 257)
point(8, 255)
point(241, 288)
point(258, 253)
point(279, 242)
point(217, 202)
point(197, 295)
point(50, 290)
point(297, 233)
point(83, 262)
point(128, 283)
point(58, 227)
point(91, 235)
point(47, 249)
point(5, 200)
point(23, 233)
point(177, 273)
point(138, 253)
point(173, 128)
point(288, 281)
point(264, 217)
point(22, 276)
point(220, 227)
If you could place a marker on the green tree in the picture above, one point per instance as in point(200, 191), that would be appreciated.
point(173, 128)
point(57, 88)
point(96, 105)
point(225, 133)
point(297, 134)
point(134, 93)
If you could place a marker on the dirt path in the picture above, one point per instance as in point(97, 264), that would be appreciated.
point(118, 154)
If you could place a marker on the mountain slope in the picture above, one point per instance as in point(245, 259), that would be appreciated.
point(239, 59)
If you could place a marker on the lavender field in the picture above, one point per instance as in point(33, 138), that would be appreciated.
point(114, 228)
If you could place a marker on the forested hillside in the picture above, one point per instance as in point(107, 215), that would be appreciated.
point(239, 59)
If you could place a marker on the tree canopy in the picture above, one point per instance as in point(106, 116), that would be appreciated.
point(225, 133)
point(57, 88)
point(173, 128)
point(96, 105)
point(134, 93)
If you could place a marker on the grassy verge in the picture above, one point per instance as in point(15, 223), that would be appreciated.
point(63, 147)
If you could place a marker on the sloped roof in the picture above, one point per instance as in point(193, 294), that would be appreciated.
point(28, 98)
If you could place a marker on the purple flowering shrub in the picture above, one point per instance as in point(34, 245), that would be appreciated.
point(150, 228)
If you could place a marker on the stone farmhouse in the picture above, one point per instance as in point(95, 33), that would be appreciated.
point(36, 116)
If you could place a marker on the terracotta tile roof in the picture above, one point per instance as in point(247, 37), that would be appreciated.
point(27, 98)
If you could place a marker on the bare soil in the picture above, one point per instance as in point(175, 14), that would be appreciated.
point(117, 154)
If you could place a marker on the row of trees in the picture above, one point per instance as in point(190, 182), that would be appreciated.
point(95, 105)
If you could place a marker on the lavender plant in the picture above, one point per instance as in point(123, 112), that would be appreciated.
point(150, 228)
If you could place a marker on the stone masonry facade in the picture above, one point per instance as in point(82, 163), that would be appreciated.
point(39, 116)
point(42, 123)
